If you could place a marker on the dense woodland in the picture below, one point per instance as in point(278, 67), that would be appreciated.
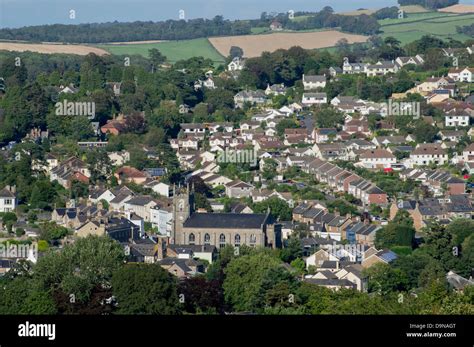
point(467, 30)
point(433, 4)
point(134, 31)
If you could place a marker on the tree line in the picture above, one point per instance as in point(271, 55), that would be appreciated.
point(132, 31)
point(430, 4)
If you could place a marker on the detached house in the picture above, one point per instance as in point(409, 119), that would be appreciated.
point(353, 68)
point(276, 89)
point(253, 97)
point(462, 75)
point(130, 174)
point(381, 68)
point(310, 99)
point(238, 189)
point(8, 200)
point(311, 82)
point(237, 64)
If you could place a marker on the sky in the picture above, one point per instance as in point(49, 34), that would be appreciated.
point(18, 13)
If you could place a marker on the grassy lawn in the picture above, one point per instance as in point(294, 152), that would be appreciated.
point(420, 24)
point(259, 30)
point(173, 50)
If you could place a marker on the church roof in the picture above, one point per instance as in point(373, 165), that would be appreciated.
point(226, 221)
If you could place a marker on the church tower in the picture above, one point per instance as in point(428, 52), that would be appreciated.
point(183, 207)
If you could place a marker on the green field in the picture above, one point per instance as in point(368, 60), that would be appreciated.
point(416, 25)
point(173, 50)
point(441, 25)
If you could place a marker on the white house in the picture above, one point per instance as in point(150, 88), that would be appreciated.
point(311, 82)
point(162, 218)
point(428, 153)
point(416, 60)
point(353, 68)
point(209, 83)
point(8, 200)
point(381, 68)
point(310, 99)
point(468, 153)
point(462, 75)
point(140, 205)
point(119, 158)
point(377, 159)
point(457, 120)
point(160, 188)
point(276, 89)
point(237, 64)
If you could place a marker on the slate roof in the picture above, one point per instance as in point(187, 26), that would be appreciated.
point(330, 282)
point(226, 221)
point(5, 193)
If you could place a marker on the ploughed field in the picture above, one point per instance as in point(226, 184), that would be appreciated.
point(254, 45)
point(50, 48)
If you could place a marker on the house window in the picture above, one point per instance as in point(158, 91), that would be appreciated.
point(207, 239)
point(192, 239)
point(8, 202)
point(237, 240)
point(222, 241)
point(253, 240)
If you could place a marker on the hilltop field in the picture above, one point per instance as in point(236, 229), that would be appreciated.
point(442, 25)
point(254, 45)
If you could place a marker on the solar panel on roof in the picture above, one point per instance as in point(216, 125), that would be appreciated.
point(388, 256)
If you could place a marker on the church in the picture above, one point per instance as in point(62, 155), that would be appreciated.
point(220, 229)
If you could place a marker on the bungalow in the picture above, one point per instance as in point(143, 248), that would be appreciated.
point(193, 128)
point(114, 126)
point(310, 99)
point(129, 174)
